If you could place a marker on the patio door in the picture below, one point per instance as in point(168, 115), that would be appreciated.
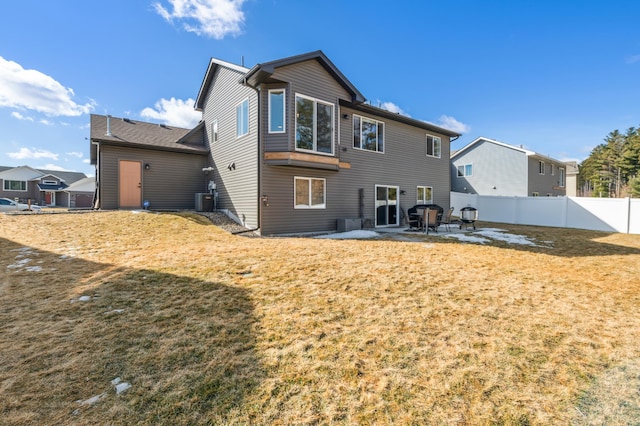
point(387, 205)
point(130, 175)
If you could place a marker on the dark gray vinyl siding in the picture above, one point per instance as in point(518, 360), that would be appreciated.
point(493, 165)
point(171, 182)
point(546, 184)
point(404, 164)
point(237, 187)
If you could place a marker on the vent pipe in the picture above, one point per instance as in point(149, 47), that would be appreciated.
point(108, 125)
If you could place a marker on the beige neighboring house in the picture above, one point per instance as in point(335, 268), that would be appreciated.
point(572, 178)
point(81, 192)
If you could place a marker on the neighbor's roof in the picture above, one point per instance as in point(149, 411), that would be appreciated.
point(29, 173)
point(482, 139)
point(88, 184)
point(140, 134)
point(51, 187)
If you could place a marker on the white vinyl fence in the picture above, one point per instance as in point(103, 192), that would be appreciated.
point(598, 214)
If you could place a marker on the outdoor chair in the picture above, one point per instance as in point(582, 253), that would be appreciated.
point(446, 219)
point(430, 220)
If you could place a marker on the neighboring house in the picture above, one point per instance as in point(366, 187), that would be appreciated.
point(290, 146)
point(572, 178)
point(42, 187)
point(137, 162)
point(81, 193)
point(489, 167)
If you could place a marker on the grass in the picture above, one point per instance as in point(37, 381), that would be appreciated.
point(213, 328)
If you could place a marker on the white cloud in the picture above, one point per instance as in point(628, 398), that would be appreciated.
point(75, 154)
point(54, 167)
point(45, 122)
point(174, 112)
point(33, 90)
point(86, 161)
point(211, 18)
point(35, 153)
point(452, 124)
point(391, 107)
point(19, 116)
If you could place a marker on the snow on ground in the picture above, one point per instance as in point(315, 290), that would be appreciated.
point(350, 235)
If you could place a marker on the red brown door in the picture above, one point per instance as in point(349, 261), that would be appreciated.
point(130, 184)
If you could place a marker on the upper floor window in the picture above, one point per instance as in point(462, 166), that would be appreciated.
point(276, 110)
point(552, 169)
point(368, 134)
point(214, 130)
point(314, 125)
point(310, 193)
point(424, 195)
point(561, 182)
point(15, 185)
point(242, 118)
point(541, 167)
point(49, 182)
point(434, 146)
point(465, 170)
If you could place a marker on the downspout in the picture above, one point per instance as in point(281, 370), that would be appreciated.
point(259, 159)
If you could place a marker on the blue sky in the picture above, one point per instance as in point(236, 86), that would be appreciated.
point(553, 76)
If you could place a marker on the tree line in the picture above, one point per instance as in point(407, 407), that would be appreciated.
point(612, 169)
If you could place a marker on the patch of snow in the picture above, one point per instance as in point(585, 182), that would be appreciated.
point(33, 268)
point(467, 238)
point(499, 235)
point(92, 400)
point(114, 311)
point(122, 387)
point(19, 264)
point(116, 381)
point(84, 298)
point(350, 235)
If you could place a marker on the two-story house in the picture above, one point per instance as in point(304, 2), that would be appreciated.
point(42, 187)
point(489, 167)
point(293, 147)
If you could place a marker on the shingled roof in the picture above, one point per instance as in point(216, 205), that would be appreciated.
point(140, 134)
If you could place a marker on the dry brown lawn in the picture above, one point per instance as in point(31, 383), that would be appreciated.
point(207, 327)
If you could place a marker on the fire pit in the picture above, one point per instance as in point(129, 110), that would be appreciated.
point(468, 216)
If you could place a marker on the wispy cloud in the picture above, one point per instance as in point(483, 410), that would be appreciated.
point(451, 123)
point(391, 107)
point(32, 154)
point(632, 59)
point(75, 154)
point(16, 114)
point(32, 90)
point(54, 167)
point(209, 18)
point(174, 112)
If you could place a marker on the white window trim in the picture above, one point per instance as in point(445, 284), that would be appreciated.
point(310, 206)
point(214, 130)
point(563, 177)
point(384, 139)
point(430, 188)
point(315, 125)
point(239, 135)
point(427, 145)
point(464, 170)
point(284, 111)
point(49, 182)
point(26, 185)
point(541, 167)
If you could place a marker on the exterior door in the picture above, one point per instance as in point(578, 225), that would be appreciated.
point(130, 184)
point(387, 206)
point(50, 198)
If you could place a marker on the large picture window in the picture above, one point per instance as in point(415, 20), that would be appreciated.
point(434, 146)
point(15, 185)
point(314, 125)
point(310, 193)
point(277, 111)
point(424, 195)
point(368, 134)
point(242, 118)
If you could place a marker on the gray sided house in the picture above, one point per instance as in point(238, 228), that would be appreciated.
point(294, 148)
point(42, 187)
point(489, 167)
point(137, 162)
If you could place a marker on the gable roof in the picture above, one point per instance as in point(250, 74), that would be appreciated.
point(140, 134)
point(261, 73)
point(21, 173)
point(380, 112)
point(87, 184)
point(526, 152)
point(214, 64)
